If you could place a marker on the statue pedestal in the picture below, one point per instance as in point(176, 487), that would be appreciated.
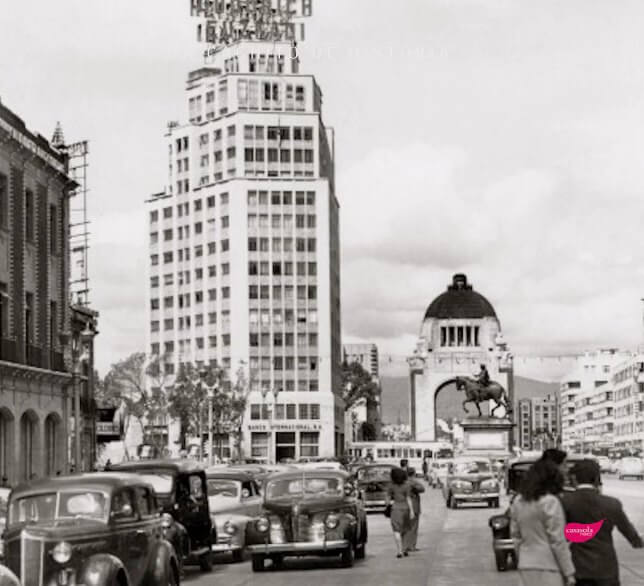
point(486, 436)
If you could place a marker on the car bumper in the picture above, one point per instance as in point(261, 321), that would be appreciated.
point(478, 497)
point(225, 547)
point(299, 548)
point(375, 505)
point(504, 545)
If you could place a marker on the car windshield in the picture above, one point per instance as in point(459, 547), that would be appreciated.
point(377, 474)
point(223, 488)
point(471, 467)
point(631, 461)
point(162, 483)
point(316, 486)
point(63, 505)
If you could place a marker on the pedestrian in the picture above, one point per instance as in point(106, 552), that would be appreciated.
point(426, 468)
point(595, 560)
point(401, 506)
point(537, 525)
point(410, 537)
point(404, 464)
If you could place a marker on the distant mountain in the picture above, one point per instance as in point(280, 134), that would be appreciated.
point(395, 397)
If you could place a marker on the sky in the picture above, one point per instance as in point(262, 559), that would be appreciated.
point(500, 138)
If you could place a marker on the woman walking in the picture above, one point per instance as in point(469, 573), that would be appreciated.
point(402, 508)
point(538, 522)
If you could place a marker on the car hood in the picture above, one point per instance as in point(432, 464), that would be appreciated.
point(305, 506)
point(59, 530)
point(472, 477)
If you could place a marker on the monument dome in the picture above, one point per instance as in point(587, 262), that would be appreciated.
point(460, 301)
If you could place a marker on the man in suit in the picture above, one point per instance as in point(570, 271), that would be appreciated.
point(596, 560)
point(410, 537)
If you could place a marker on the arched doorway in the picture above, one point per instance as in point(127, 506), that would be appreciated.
point(6, 446)
point(29, 436)
point(54, 444)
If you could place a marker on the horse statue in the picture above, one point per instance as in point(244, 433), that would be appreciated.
point(476, 393)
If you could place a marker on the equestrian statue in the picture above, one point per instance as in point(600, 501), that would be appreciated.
point(481, 389)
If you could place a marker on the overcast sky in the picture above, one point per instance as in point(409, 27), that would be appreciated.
point(501, 138)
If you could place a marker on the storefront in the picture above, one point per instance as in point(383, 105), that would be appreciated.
point(283, 442)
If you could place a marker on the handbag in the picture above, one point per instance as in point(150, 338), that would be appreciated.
point(387, 511)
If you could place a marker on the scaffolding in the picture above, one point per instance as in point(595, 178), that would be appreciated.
point(79, 225)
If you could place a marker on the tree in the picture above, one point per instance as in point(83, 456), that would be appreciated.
point(237, 407)
point(357, 384)
point(125, 387)
point(368, 431)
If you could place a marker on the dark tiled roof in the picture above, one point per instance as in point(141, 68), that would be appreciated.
point(460, 302)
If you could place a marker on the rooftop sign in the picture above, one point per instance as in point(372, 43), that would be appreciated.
point(227, 21)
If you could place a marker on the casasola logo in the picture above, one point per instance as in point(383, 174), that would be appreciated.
point(581, 532)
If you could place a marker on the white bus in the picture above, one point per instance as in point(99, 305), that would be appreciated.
point(392, 452)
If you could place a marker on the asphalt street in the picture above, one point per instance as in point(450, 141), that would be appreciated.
point(455, 550)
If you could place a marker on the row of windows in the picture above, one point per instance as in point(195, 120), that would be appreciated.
point(281, 198)
point(460, 336)
point(289, 318)
point(184, 209)
point(274, 95)
point(287, 411)
point(301, 244)
point(282, 269)
point(184, 231)
point(282, 340)
point(285, 221)
point(281, 133)
point(260, 155)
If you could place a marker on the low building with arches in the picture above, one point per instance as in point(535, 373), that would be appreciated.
point(36, 385)
point(459, 334)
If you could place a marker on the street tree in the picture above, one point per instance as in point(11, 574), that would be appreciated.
point(126, 387)
point(357, 384)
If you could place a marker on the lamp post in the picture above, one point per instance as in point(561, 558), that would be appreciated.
point(276, 392)
point(264, 392)
point(210, 389)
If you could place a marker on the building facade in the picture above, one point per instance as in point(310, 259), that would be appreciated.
point(538, 423)
point(363, 421)
point(244, 247)
point(35, 385)
point(587, 401)
point(364, 354)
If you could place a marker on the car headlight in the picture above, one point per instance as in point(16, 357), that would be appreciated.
point(262, 524)
point(461, 485)
point(230, 527)
point(332, 521)
point(62, 552)
point(166, 520)
point(489, 484)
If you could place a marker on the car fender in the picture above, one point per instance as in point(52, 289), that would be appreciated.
point(240, 520)
point(7, 577)
point(163, 558)
point(103, 569)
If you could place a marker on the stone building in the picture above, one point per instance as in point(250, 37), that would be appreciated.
point(34, 315)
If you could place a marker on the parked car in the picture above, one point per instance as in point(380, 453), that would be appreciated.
point(630, 468)
point(471, 480)
point(319, 464)
point(503, 545)
point(234, 500)
point(308, 512)
point(373, 482)
point(7, 577)
point(182, 492)
point(100, 528)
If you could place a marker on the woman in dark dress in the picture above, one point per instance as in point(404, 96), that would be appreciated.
point(402, 509)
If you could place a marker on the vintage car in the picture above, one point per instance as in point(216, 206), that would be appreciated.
point(308, 512)
point(319, 464)
point(234, 500)
point(471, 480)
point(630, 468)
point(99, 529)
point(504, 547)
point(373, 481)
point(182, 490)
point(7, 577)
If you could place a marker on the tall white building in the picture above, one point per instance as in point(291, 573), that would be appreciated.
point(244, 246)
point(364, 354)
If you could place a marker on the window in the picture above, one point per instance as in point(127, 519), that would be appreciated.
point(154, 259)
point(154, 215)
point(290, 411)
point(167, 213)
point(210, 202)
point(225, 221)
point(225, 245)
point(168, 324)
point(212, 294)
point(212, 247)
point(154, 282)
point(29, 215)
point(212, 318)
point(303, 411)
point(167, 257)
point(225, 268)
point(154, 304)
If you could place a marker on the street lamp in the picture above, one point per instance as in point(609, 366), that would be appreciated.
point(210, 389)
point(275, 392)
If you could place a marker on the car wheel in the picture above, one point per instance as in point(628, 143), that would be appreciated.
point(277, 561)
point(258, 563)
point(238, 556)
point(361, 551)
point(453, 504)
point(501, 561)
point(347, 557)
point(205, 562)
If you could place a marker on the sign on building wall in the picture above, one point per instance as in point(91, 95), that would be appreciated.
point(285, 427)
point(227, 21)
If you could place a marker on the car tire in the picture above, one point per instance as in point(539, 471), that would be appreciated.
point(452, 502)
point(259, 563)
point(277, 562)
point(347, 557)
point(361, 551)
point(238, 556)
point(501, 559)
point(205, 562)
